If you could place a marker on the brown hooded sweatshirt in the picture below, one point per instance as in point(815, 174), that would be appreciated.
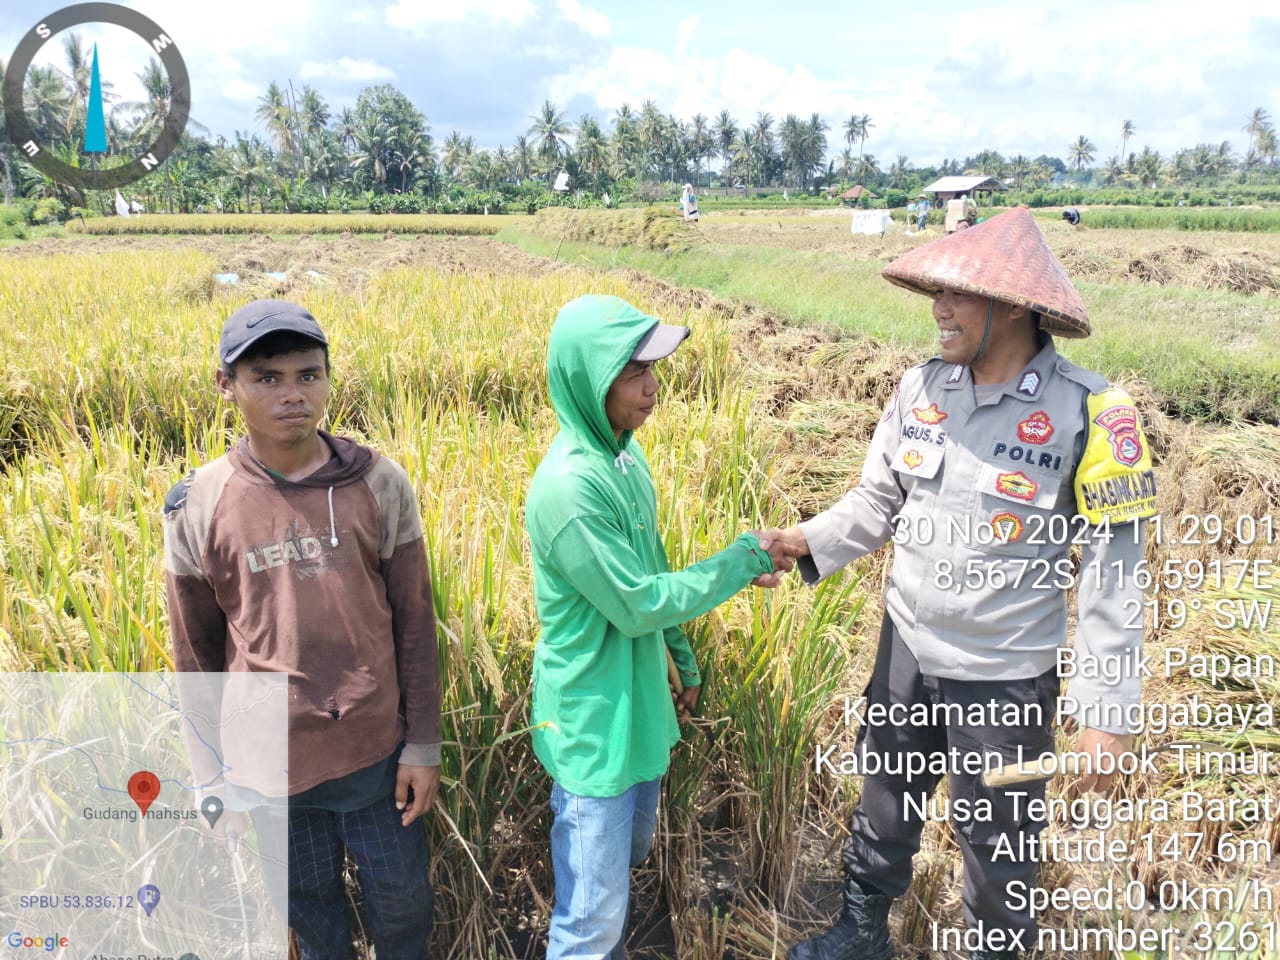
point(324, 579)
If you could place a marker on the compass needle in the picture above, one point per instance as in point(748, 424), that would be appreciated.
point(95, 128)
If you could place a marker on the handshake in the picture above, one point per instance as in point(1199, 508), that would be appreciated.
point(784, 548)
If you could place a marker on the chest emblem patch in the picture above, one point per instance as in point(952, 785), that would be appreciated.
point(1007, 526)
point(1017, 485)
point(1036, 428)
point(1121, 422)
point(930, 414)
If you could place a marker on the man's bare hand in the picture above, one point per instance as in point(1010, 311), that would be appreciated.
point(785, 547)
point(424, 782)
point(1100, 752)
point(686, 701)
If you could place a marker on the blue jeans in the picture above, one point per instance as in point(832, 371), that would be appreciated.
point(595, 841)
point(392, 865)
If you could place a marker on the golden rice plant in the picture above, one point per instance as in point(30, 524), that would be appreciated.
point(204, 224)
point(114, 401)
point(106, 399)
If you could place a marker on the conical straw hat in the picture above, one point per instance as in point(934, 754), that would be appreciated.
point(1006, 258)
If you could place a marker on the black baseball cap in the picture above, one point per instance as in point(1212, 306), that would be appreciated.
point(256, 320)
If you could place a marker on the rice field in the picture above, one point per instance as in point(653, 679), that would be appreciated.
point(106, 399)
point(289, 223)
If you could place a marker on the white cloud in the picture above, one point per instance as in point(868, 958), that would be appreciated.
point(240, 91)
point(237, 25)
point(743, 83)
point(345, 68)
point(592, 21)
point(684, 32)
point(418, 15)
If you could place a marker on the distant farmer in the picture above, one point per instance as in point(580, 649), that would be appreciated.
point(604, 717)
point(302, 553)
point(689, 203)
point(1072, 216)
point(922, 210)
point(996, 438)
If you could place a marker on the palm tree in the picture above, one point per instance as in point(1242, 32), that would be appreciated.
point(153, 113)
point(1224, 158)
point(373, 145)
point(625, 148)
point(1080, 153)
point(548, 130)
point(744, 153)
point(858, 128)
point(725, 132)
point(899, 170)
point(1019, 167)
point(1127, 131)
point(650, 128)
point(591, 146)
point(247, 165)
point(1147, 166)
point(456, 153)
point(273, 110)
point(846, 164)
point(765, 152)
point(521, 158)
point(789, 134)
point(347, 126)
point(1266, 144)
point(852, 129)
point(48, 101)
point(701, 143)
point(867, 171)
point(1257, 121)
point(482, 171)
point(411, 153)
point(815, 142)
point(313, 112)
point(80, 73)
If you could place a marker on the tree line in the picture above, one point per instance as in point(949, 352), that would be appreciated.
point(382, 153)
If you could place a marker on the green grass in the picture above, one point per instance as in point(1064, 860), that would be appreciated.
point(1233, 219)
point(11, 236)
point(1207, 355)
point(805, 287)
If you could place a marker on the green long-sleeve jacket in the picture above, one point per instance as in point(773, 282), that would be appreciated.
point(608, 604)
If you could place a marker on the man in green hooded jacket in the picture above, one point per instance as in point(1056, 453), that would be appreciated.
point(610, 610)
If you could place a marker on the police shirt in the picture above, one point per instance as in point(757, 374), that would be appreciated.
point(984, 500)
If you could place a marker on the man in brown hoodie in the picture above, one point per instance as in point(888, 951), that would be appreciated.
point(302, 553)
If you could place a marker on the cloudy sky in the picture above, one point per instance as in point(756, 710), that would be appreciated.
point(937, 82)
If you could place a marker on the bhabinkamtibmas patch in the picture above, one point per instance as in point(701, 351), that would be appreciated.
point(1115, 479)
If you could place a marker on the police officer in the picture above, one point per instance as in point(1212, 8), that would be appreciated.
point(989, 461)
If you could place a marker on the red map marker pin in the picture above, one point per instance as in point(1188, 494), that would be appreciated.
point(144, 787)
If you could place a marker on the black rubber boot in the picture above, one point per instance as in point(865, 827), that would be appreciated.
point(861, 933)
